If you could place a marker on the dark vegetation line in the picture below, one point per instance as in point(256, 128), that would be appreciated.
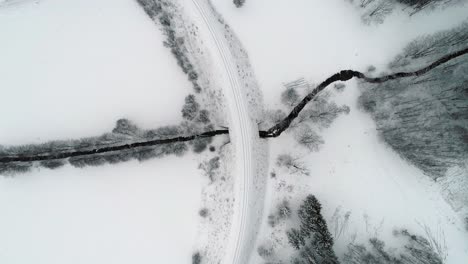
point(69, 154)
point(346, 75)
point(274, 131)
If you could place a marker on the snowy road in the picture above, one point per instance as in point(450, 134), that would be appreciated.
point(243, 133)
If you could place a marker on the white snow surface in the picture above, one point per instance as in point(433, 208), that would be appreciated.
point(354, 171)
point(70, 69)
point(244, 105)
point(126, 213)
point(84, 64)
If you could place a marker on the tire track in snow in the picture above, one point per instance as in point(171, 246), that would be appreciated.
point(243, 134)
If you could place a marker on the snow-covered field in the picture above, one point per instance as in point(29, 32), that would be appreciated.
point(354, 171)
point(131, 212)
point(70, 69)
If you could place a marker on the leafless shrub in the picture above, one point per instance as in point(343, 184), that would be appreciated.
point(308, 138)
point(322, 112)
point(282, 211)
point(125, 127)
point(290, 97)
point(416, 250)
point(200, 145)
point(365, 3)
point(339, 222)
point(293, 165)
point(377, 12)
point(436, 240)
point(239, 3)
point(274, 117)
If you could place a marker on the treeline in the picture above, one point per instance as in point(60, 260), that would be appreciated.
point(446, 109)
point(414, 249)
point(376, 11)
point(314, 244)
point(163, 12)
point(124, 143)
point(425, 118)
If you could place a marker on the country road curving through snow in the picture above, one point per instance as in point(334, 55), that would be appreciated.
point(244, 137)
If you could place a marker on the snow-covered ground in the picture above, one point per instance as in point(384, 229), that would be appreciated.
point(243, 134)
point(354, 171)
point(70, 69)
point(130, 212)
point(232, 242)
point(287, 40)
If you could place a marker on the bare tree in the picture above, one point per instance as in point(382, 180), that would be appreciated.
point(308, 138)
point(377, 12)
point(415, 250)
point(416, 121)
point(290, 97)
point(293, 165)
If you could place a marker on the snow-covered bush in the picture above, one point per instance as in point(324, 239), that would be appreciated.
point(339, 86)
point(190, 108)
point(203, 116)
point(210, 167)
point(203, 212)
point(125, 127)
point(282, 212)
point(239, 3)
point(196, 258)
point(201, 144)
